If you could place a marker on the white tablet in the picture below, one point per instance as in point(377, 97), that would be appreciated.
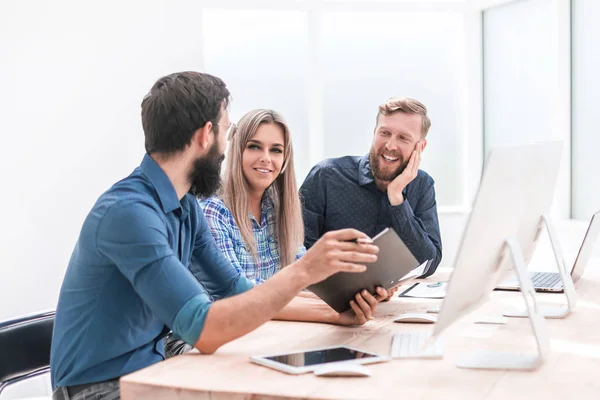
point(308, 360)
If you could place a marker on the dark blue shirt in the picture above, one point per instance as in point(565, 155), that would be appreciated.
point(341, 193)
point(145, 263)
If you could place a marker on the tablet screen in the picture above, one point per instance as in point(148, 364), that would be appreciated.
point(316, 357)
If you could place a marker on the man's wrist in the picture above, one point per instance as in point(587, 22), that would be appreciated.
point(396, 199)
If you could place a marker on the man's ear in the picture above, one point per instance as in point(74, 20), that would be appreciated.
point(204, 136)
point(424, 144)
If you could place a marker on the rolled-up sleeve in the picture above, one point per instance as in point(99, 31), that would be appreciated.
point(189, 321)
point(134, 237)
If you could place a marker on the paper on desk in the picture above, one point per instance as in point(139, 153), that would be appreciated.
point(428, 290)
point(415, 273)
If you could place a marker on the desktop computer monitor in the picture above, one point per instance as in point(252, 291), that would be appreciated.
point(517, 187)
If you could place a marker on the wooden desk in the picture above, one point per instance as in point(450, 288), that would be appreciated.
point(572, 369)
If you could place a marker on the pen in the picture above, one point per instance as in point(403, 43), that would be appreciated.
point(362, 240)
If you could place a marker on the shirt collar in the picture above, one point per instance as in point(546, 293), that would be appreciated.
point(162, 184)
point(365, 176)
point(266, 207)
point(266, 203)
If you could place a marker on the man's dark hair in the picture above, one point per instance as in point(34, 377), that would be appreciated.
point(177, 106)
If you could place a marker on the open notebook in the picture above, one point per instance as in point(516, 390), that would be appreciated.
point(395, 264)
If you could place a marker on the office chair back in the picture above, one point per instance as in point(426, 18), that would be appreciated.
point(25, 347)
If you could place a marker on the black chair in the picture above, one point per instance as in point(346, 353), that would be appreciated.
point(25, 347)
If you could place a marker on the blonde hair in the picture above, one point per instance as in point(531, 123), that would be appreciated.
point(409, 106)
point(289, 228)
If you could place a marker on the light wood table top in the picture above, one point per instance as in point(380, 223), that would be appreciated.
point(572, 368)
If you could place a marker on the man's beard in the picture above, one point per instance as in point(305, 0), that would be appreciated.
point(379, 173)
point(205, 175)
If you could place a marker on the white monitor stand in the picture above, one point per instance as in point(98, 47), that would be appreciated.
point(547, 311)
point(515, 361)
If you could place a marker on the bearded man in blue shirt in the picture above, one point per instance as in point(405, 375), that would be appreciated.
point(382, 189)
point(146, 263)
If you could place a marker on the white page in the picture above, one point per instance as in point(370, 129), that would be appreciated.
point(415, 273)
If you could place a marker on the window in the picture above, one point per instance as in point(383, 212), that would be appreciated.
point(327, 67)
point(522, 80)
point(368, 57)
point(586, 86)
point(262, 55)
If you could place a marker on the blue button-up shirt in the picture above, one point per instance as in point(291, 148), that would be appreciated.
point(229, 239)
point(341, 193)
point(145, 262)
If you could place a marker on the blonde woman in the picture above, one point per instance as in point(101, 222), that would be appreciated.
point(256, 220)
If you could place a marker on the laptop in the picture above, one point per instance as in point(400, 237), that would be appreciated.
point(550, 281)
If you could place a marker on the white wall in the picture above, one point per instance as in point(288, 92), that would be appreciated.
point(72, 78)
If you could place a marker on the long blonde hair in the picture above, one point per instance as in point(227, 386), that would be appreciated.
point(289, 228)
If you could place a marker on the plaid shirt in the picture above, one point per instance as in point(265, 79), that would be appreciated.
point(229, 239)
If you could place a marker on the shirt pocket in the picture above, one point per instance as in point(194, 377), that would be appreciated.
point(273, 247)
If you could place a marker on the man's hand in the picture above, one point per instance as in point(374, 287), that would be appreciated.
point(337, 251)
point(363, 307)
point(394, 189)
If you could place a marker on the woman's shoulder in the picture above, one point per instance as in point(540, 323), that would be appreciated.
point(214, 207)
point(211, 201)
